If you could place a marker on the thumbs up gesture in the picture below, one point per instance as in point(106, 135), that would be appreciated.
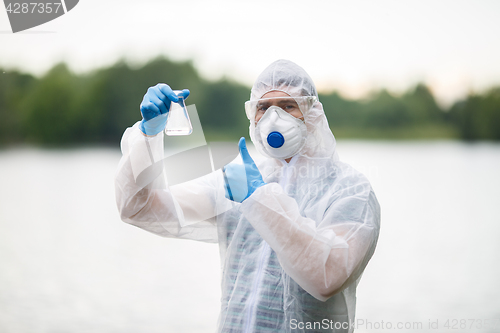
point(242, 180)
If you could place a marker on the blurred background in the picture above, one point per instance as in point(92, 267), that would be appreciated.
point(411, 91)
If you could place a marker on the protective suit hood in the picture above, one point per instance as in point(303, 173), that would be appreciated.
point(288, 77)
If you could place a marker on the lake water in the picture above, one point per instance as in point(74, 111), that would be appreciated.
point(68, 264)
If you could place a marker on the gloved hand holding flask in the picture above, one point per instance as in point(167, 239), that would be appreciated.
point(155, 107)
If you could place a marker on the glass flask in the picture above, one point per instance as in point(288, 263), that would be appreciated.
point(178, 122)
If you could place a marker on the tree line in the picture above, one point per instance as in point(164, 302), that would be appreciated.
point(61, 108)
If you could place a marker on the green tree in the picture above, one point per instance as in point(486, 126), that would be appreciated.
point(478, 117)
point(341, 112)
point(14, 87)
point(422, 106)
point(384, 111)
point(48, 108)
point(222, 108)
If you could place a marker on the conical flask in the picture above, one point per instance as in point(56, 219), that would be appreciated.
point(178, 122)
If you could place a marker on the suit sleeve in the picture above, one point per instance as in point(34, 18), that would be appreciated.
point(324, 256)
point(144, 199)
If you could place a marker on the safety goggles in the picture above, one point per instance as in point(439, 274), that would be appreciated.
point(289, 104)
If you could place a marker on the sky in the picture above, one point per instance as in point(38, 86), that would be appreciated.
point(353, 47)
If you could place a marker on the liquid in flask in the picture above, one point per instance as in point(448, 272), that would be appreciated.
point(178, 122)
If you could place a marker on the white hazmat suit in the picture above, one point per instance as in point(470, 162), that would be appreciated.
point(293, 252)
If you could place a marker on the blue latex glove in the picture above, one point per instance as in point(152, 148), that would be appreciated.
point(242, 180)
point(155, 106)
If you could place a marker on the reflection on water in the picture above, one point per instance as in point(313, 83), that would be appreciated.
point(70, 265)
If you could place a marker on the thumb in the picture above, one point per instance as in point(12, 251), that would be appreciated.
point(185, 93)
point(247, 159)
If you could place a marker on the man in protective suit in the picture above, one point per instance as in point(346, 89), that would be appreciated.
point(296, 230)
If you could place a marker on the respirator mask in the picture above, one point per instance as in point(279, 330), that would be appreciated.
point(278, 133)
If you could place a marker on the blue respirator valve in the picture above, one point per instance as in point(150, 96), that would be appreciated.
point(275, 139)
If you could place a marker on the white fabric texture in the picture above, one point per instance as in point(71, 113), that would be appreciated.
point(294, 251)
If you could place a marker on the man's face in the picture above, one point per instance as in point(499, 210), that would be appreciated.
point(287, 104)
